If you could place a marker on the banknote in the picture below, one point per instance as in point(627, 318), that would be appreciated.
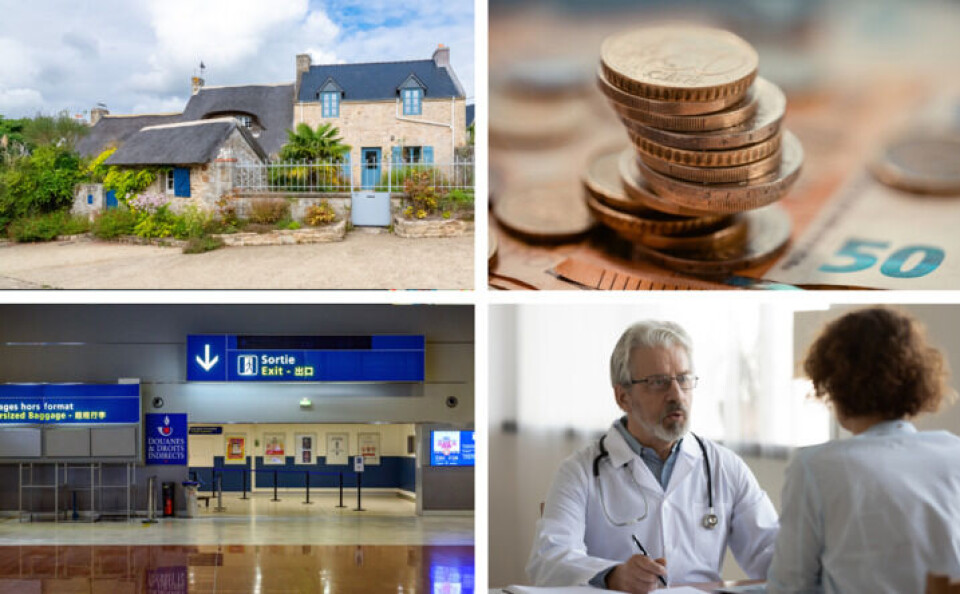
point(874, 236)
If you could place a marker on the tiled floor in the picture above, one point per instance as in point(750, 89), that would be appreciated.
point(236, 568)
point(256, 545)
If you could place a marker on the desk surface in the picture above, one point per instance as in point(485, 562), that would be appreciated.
point(706, 587)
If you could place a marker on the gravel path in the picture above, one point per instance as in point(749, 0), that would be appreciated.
point(362, 261)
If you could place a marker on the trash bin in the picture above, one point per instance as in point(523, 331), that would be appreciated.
point(190, 494)
point(167, 492)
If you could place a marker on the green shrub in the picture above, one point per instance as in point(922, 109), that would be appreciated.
point(267, 211)
point(39, 183)
point(320, 214)
point(199, 245)
point(293, 225)
point(397, 177)
point(458, 199)
point(192, 222)
point(114, 222)
point(46, 227)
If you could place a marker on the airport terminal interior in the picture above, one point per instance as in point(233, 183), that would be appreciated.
point(236, 448)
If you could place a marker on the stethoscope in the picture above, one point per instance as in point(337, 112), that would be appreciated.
point(710, 519)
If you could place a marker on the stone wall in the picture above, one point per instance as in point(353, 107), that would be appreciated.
point(89, 199)
point(300, 203)
point(371, 124)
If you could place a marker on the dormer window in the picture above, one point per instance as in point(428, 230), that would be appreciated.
point(245, 120)
point(331, 103)
point(412, 101)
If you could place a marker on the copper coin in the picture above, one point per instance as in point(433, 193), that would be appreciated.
point(716, 175)
point(535, 122)
point(548, 213)
point(621, 98)
point(731, 198)
point(701, 240)
point(679, 63)
point(602, 180)
point(632, 227)
point(702, 158)
point(768, 232)
point(925, 163)
point(727, 118)
point(771, 106)
point(640, 191)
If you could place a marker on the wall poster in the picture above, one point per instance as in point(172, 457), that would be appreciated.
point(236, 449)
point(370, 448)
point(337, 446)
point(273, 448)
point(306, 449)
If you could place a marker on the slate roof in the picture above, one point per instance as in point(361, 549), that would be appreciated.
point(185, 143)
point(112, 131)
point(270, 105)
point(380, 80)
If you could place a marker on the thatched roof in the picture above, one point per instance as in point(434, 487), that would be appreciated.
point(114, 130)
point(185, 143)
point(270, 106)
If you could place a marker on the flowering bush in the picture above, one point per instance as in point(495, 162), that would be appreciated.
point(148, 203)
point(421, 199)
point(320, 214)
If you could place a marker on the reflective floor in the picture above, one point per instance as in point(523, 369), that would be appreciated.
point(236, 568)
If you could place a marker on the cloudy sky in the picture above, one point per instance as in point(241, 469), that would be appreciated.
point(137, 56)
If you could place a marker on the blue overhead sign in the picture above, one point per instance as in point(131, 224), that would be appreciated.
point(95, 404)
point(236, 358)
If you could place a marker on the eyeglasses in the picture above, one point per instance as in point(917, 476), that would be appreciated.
point(662, 383)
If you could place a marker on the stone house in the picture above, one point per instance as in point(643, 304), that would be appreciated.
point(198, 158)
point(388, 112)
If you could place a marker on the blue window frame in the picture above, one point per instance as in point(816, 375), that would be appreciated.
point(331, 104)
point(412, 101)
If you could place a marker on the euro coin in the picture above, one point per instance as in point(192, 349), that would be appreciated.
point(924, 163)
point(705, 158)
point(734, 197)
point(771, 107)
point(701, 240)
point(624, 99)
point(734, 115)
point(633, 227)
point(641, 192)
point(767, 235)
point(716, 175)
point(679, 63)
point(552, 213)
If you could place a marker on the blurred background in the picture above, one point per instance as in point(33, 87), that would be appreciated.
point(856, 73)
point(550, 394)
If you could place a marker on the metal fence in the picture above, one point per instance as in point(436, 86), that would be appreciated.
point(308, 177)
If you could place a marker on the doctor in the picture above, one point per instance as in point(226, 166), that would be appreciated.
point(647, 483)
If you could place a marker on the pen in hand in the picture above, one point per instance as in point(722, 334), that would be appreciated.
point(644, 552)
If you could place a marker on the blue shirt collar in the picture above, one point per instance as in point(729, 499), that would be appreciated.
point(889, 427)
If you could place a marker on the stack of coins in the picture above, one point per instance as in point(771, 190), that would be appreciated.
point(696, 190)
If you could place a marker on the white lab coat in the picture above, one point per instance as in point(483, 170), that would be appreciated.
point(874, 513)
point(575, 541)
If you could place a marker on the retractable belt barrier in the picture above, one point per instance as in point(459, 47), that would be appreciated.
point(218, 471)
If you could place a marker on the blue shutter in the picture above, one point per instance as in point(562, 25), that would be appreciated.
point(428, 155)
point(181, 182)
point(395, 156)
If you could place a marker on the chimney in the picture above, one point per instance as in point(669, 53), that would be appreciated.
point(441, 56)
point(303, 66)
point(197, 83)
point(96, 113)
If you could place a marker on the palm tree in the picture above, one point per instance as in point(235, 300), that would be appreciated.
point(323, 144)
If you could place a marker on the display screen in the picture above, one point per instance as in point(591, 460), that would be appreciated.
point(452, 448)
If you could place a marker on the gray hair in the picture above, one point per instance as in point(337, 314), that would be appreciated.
point(645, 334)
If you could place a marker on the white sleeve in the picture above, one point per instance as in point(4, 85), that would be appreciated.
point(753, 525)
point(559, 556)
point(796, 565)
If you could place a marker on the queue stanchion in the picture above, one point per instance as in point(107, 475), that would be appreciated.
point(358, 468)
point(246, 477)
point(219, 483)
point(275, 498)
point(308, 502)
point(151, 501)
point(341, 490)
